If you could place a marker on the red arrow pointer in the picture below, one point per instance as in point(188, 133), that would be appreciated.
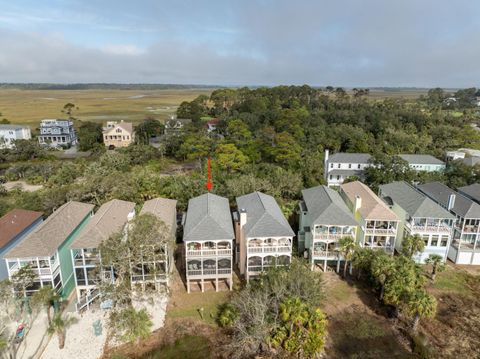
point(209, 182)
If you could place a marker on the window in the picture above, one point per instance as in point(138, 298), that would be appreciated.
point(434, 241)
point(349, 165)
point(331, 176)
point(339, 165)
point(338, 177)
point(359, 166)
point(425, 239)
point(80, 274)
point(444, 241)
point(118, 130)
point(331, 165)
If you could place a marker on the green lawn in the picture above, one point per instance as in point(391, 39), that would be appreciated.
point(185, 305)
point(453, 281)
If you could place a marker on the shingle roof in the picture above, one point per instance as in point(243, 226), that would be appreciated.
point(345, 157)
point(325, 206)
point(127, 126)
point(208, 218)
point(163, 208)
point(264, 216)
point(440, 193)
point(14, 223)
point(110, 218)
point(45, 239)
point(472, 191)
point(416, 204)
point(12, 127)
point(421, 159)
point(371, 207)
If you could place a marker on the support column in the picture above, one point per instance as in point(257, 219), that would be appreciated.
point(188, 286)
point(230, 283)
point(338, 265)
point(324, 265)
point(216, 284)
point(202, 285)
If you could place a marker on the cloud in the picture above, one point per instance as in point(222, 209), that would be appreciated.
point(343, 43)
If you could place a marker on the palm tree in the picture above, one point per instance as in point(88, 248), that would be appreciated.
point(362, 260)
point(412, 245)
point(346, 247)
point(294, 311)
point(421, 305)
point(383, 265)
point(130, 325)
point(437, 264)
point(59, 326)
point(46, 297)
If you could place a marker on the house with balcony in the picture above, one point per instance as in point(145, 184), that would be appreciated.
point(175, 126)
point(324, 219)
point(208, 237)
point(421, 216)
point(11, 133)
point(341, 165)
point(47, 249)
point(465, 245)
point(263, 236)
point(57, 133)
point(378, 224)
point(117, 135)
point(14, 226)
point(156, 270)
point(426, 163)
point(110, 219)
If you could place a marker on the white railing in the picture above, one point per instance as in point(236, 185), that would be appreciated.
point(269, 249)
point(434, 229)
point(331, 237)
point(208, 272)
point(328, 254)
point(87, 299)
point(208, 252)
point(380, 231)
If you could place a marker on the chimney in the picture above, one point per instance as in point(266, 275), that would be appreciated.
point(358, 203)
point(451, 201)
point(325, 163)
point(243, 217)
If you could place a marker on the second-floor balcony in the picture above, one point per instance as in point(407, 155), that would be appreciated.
point(430, 225)
point(269, 245)
point(209, 249)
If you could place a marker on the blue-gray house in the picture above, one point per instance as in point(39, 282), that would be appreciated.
point(14, 226)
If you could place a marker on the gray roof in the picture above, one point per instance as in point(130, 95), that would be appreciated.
point(345, 157)
point(163, 208)
point(416, 204)
point(12, 127)
point(208, 218)
point(264, 216)
point(45, 239)
point(440, 193)
point(421, 159)
point(472, 191)
point(325, 206)
point(110, 218)
point(471, 161)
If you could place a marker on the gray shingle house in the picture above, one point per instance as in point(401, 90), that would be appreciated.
point(420, 215)
point(465, 247)
point(208, 237)
point(110, 219)
point(472, 191)
point(324, 219)
point(263, 235)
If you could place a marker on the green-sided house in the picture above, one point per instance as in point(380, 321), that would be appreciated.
point(47, 249)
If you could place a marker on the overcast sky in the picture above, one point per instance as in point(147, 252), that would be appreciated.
point(423, 43)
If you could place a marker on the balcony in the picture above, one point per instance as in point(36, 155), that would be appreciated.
point(209, 252)
point(430, 229)
point(325, 254)
point(381, 231)
point(330, 236)
point(269, 249)
point(208, 272)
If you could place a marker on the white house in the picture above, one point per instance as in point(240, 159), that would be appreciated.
point(11, 133)
point(342, 165)
point(465, 246)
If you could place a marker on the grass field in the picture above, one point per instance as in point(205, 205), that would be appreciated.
point(30, 106)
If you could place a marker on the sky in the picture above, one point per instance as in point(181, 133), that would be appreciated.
point(362, 43)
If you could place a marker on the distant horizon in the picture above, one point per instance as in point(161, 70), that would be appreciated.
point(205, 85)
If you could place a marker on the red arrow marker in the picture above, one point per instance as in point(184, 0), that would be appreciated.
point(209, 182)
